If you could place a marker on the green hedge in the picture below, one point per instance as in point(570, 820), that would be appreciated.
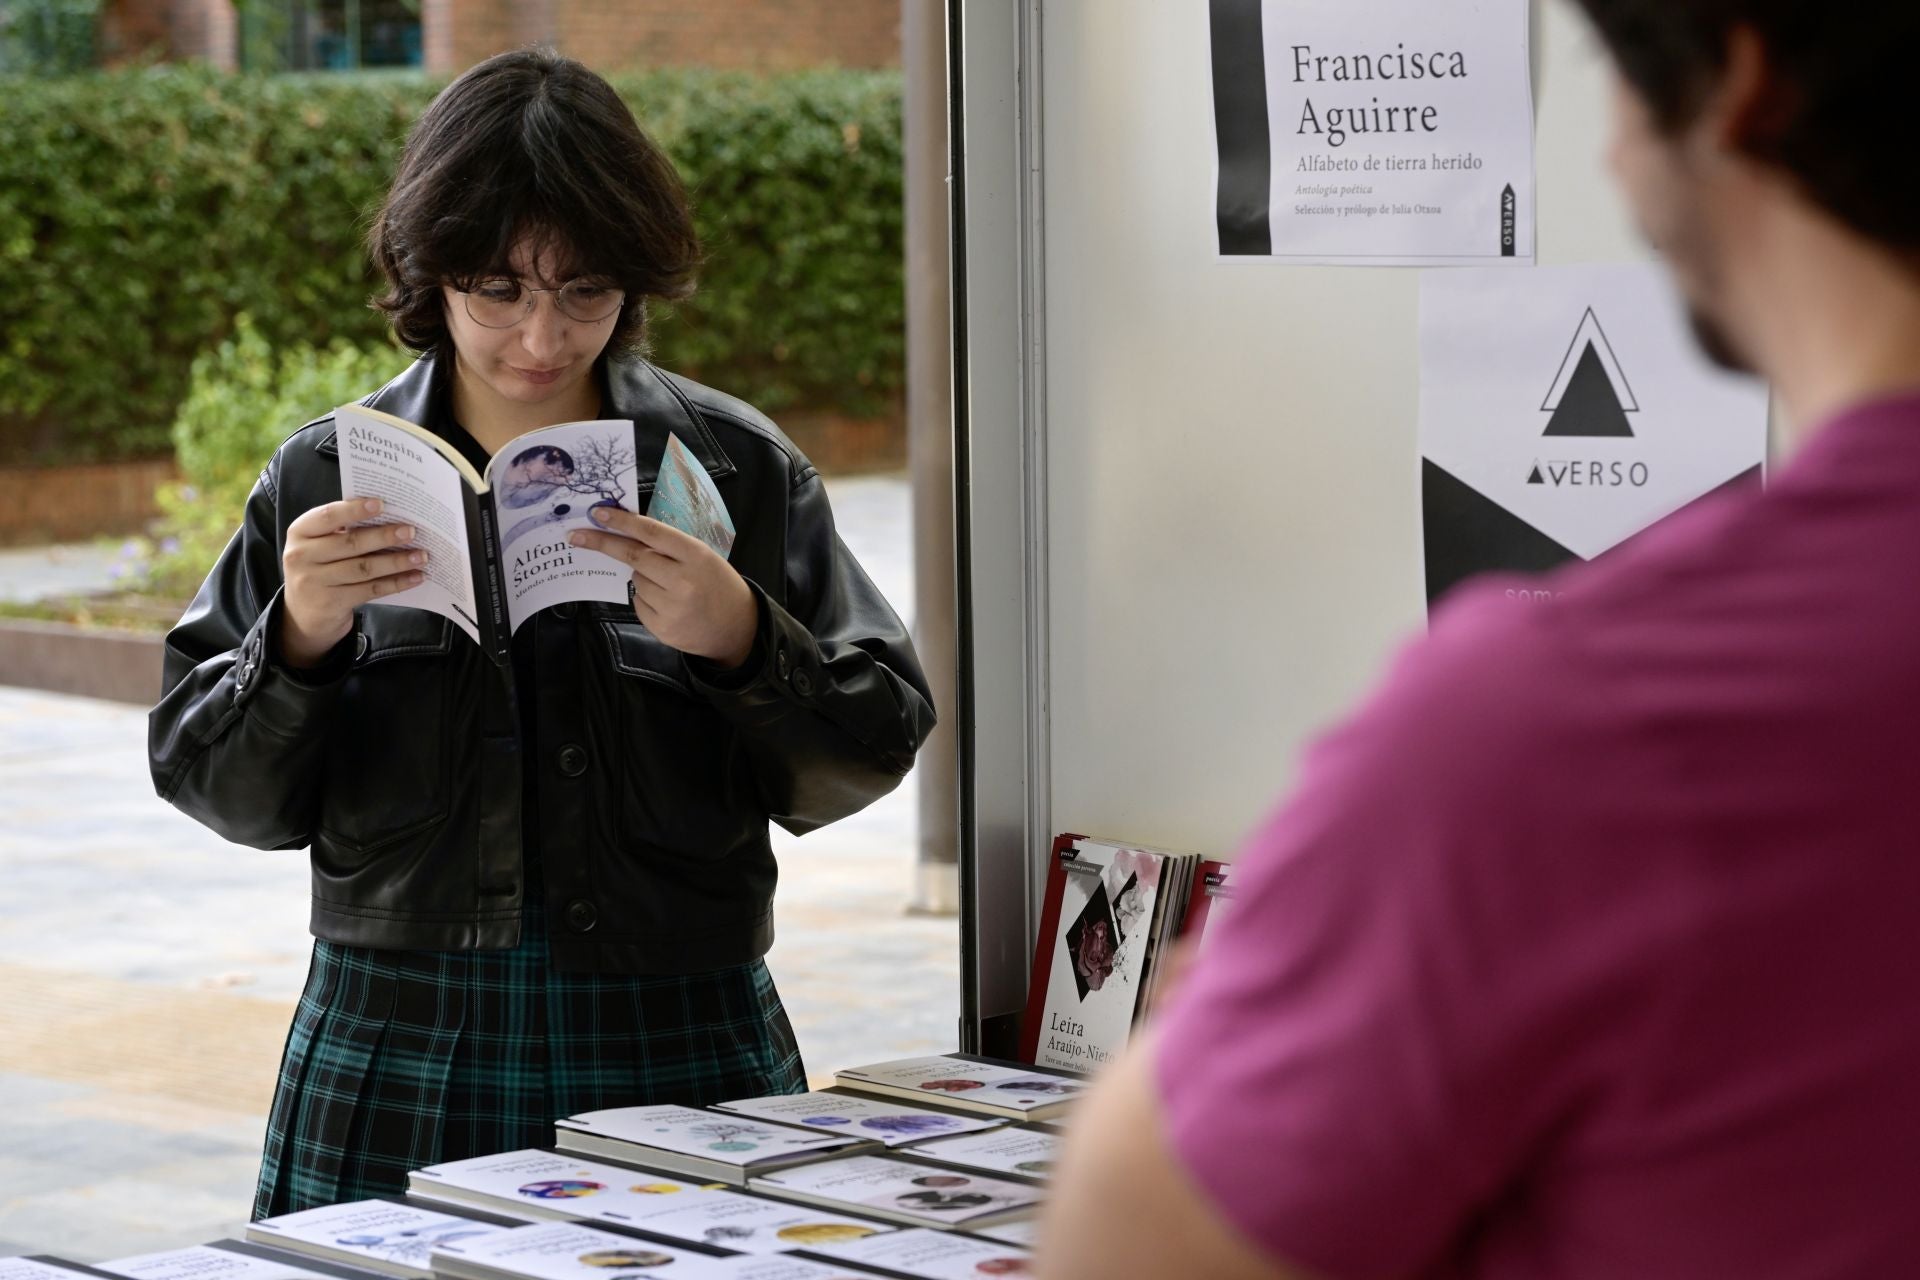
point(141, 211)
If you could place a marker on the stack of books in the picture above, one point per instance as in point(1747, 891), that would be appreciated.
point(925, 1168)
point(1108, 921)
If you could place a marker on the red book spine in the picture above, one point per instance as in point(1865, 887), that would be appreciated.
point(1043, 946)
point(1200, 902)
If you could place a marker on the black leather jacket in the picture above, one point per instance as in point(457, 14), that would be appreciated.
point(400, 761)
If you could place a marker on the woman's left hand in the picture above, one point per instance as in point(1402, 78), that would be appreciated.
point(683, 590)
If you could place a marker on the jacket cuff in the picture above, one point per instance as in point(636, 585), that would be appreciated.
point(710, 677)
point(783, 667)
point(285, 698)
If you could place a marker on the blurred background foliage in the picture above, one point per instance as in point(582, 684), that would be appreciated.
point(144, 211)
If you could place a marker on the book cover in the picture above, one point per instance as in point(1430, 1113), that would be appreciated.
point(564, 1251)
point(683, 1138)
point(538, 1184)
point(902, 1190)
point(496, 542)
point(686, 498)
point(743, 1223)
point(1025, 1232)
point(891, 1123)
point(936, 1255)
point(961, 1080)
point(380, 1235)
point(209, 1262)
point(1024, 1153)
point(45, 1267)
point(1089, 965)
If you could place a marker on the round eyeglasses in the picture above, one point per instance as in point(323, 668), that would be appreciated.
point(501, 303)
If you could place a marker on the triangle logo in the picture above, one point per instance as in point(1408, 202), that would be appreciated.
point(1536, 477)
point(1590, 395)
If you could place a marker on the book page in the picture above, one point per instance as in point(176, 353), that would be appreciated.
point(420, 488)
point(545, 484)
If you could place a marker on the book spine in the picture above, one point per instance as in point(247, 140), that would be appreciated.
point(499, 633)
point(1043, 945)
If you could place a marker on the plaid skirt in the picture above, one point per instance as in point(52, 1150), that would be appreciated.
point(401, 1059)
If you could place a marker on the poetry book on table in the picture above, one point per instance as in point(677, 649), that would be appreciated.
point(698, 1144)
point(573, 1251)
point(836, 1111)
point(535, 1184)
point(384, 1236)
point(1108, 913)
point(496, 541)
point(1009, 1090)
point(902, 1191)
point(1018, 1151)
point(224, 1260)
point(935, 1255)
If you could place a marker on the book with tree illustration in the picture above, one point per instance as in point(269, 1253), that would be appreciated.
point(496, 541)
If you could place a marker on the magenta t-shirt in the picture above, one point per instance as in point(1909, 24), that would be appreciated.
point(1591, 947)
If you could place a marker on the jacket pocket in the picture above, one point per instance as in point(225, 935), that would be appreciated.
point(387, 754)
point(680, 784)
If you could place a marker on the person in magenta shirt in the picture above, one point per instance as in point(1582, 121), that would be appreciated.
point(1590, 948)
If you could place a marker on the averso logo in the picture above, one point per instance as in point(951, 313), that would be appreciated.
point(1590, 400)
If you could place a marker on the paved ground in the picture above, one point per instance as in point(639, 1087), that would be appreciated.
point(148, 969)
point(34, 573)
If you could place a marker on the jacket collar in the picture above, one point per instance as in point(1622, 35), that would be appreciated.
point(635, 389)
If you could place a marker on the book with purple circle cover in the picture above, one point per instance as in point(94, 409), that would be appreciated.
point(685, 497)
point(827, 1111)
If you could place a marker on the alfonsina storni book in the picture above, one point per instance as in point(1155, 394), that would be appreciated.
point(496, 538)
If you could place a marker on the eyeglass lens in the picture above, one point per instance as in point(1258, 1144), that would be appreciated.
point(503, 303)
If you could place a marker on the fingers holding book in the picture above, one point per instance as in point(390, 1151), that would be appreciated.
point(332, 564)
point(683, 591)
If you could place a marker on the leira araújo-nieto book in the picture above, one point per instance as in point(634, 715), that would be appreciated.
point(1108, 915)
point(496, 540)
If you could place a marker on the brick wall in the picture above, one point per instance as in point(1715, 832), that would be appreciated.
point(757, 35)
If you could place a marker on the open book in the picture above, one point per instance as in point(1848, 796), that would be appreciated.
point(496, 542)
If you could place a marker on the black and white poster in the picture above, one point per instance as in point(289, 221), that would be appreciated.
point(1383, 133)
point(1562, 411)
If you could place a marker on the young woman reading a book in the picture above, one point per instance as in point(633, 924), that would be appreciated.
point(540, 886)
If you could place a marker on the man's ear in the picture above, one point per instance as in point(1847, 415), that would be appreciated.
point(1752, 107)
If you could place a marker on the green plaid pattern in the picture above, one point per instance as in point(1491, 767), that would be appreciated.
point(401, 1059)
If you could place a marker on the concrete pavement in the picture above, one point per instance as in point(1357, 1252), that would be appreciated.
point(148, 970)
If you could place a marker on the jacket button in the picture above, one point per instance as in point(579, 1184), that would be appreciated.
point(581, 915)
point(572, 760)
point(563, 610)
point(802, 683)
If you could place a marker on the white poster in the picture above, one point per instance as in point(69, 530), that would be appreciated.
point(1384, 133)
point(1563, 410)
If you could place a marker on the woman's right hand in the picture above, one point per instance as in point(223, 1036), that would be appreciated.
point(331, 569)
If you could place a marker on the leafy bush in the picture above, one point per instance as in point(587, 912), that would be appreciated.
point(244, 398)
point(142, 210)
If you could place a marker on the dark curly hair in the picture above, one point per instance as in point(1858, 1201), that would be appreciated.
point(1841, 83)
point(530, 143)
